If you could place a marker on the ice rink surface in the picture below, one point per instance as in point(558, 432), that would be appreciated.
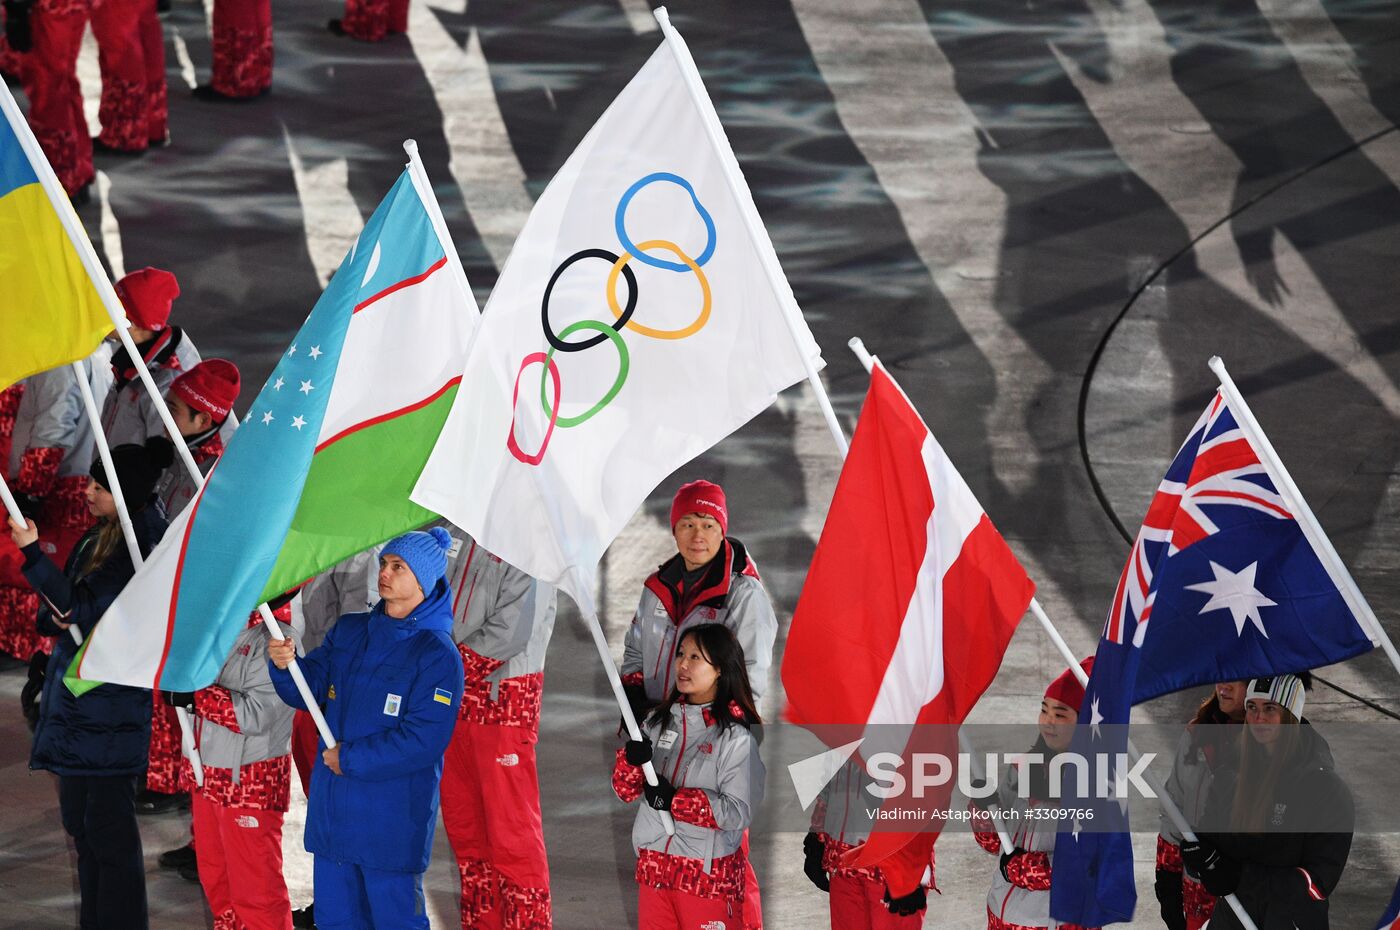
point(1044, 216)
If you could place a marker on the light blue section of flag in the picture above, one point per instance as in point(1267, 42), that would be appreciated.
point(15, 169)
point(247, 507)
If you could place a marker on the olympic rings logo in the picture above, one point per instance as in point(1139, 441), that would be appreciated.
point(622, 311)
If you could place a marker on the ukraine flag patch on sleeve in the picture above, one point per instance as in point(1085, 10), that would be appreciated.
point(442, 696)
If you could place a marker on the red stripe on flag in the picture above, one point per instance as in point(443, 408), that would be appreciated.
point(406, 282)
point(392, 414)
point(1227, 456)
point(175, 585)
point(875, 536)
point(1205, 497)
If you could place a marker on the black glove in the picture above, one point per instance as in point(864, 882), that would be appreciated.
point(1006, 858)
point(17, 30)
point(33, 687)
point(812, 851)
point(1220, 874)
point(183, 699)
point(659, 796)
point(30, 505)
point(1169, 896)
point(637, 751)
point(909, 905)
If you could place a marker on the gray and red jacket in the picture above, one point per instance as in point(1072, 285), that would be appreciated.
point(1200, 753)
point(348, 587)
point(52, 436)
point(177, 487)
point(730, 592)
point(1024, 901)
point(840, 821)
point(719, 785)
point(501, 621)
point(244, 730)
point(129, 414)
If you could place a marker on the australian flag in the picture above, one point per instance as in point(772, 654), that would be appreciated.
point(1223, 583)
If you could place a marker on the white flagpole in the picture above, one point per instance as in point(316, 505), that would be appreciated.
point(739, 190)
point(1307, 521)
point(1173, 812)
point(63, 207)
point(634, 731)
point(419, 176)
point(187, 744)
point(978, 773)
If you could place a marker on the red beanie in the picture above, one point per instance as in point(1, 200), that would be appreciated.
point(211, 387)
point(701, 497)
point(1066, 689)
point(147, 295)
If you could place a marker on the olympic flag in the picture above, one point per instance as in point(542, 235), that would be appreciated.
point(635, 324)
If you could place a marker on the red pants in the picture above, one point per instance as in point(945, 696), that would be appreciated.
point(242, 47)
point(858, 904)
point(55, 100)
point(753, 906)
point(491, 809)
point(305, 741)
point(164, 760)
point(240, 866)
point(372, 20)
point(669, 909)
point(131, 53)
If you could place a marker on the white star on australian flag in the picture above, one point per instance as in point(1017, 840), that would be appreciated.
point(1235, 592)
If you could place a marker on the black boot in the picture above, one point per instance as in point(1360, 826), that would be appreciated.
point(178, 858)
point(305, 919)
point(154, 802)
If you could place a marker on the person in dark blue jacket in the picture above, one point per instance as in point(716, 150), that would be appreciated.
point(390, 682)
point(96, 743)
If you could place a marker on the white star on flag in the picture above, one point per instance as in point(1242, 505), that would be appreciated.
point(267, 418)
point(1235, 592)
point(1095, 718)
point(293, 349)
point(277, 385)
point(306, 387)
point(315, 352)
point(298, 421)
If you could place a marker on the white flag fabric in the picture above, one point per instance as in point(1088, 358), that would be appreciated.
point(633, 327)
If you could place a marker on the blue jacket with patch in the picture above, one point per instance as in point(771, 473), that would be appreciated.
point(390, 689)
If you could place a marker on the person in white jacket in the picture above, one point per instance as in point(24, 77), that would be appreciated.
point(710, 780)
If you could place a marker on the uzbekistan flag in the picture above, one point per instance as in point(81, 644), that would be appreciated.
point(322, 466)
point(940, 594)
point(51, 311)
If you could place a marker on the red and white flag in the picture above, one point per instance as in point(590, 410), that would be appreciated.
point(909, 605)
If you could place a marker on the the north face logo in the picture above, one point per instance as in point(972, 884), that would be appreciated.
point(247, 821)
point(508, 759)
point(706, 748)
point(712, 925)
point(244, 650)
point(711, 613)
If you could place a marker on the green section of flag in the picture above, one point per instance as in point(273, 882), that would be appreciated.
point(356, 494)
point(78, 686)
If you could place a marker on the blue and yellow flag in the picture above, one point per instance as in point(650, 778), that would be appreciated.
point(50, 312)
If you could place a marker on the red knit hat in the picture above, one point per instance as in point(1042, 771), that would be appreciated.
point(147, 295)
point(701, 497)
point(1066, 689)
point(211, 386)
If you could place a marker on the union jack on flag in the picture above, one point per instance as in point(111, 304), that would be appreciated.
point(1223, 583)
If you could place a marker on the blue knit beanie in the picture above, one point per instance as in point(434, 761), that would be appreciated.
point(425, 554)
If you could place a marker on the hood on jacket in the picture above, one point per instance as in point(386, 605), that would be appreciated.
point(435, 613)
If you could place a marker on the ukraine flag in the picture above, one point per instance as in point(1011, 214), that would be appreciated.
point(50, 312)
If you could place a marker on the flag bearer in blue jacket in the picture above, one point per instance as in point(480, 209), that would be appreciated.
point(390, 682)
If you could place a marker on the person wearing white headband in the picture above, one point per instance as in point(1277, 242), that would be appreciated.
point(1288, 815)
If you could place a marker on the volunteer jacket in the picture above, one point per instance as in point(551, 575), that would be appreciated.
point(730, 592)
point(502, 621)
point(348, 587)
point(52, 434)
point(244, 730)
point(719, 781)
point(129, 414)
point(390, 689)
point(176, 486)
point(108, 729)
point(840, 821)
point(1024, 901)
point(1202, 750)
point(1291, 870)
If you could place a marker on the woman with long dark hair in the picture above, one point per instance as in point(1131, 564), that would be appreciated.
point(1279, 821)
point(710, 780)
point(1209, 743)
point(96, 744)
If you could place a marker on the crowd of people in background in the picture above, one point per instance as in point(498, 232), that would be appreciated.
point(42, 40)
